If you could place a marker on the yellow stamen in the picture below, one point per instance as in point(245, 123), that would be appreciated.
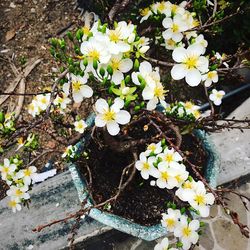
point(191, 62)
point(114, 36)
point(146, 166)
point(27, 172)
point(109, 116)
point(169, 158)
point(144, 12)
point(94, 54)
point(200, 199)
point(164, 175)
point(76, 85)
point(175, 27)
point(170, 222)
point(186, 231)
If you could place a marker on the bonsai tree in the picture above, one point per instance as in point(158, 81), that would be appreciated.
point(133, 83)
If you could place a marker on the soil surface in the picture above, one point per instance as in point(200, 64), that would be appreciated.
point(139, 202)
point(25, 29)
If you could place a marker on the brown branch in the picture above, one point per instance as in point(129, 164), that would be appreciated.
point(117, 7)
point(159, 62)
point(41, 155)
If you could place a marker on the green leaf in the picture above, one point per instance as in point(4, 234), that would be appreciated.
point(116, 91)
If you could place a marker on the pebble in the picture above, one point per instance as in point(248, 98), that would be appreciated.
point(12, 5)
point(32, 10)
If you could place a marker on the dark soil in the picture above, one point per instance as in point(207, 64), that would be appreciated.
point(139, 202)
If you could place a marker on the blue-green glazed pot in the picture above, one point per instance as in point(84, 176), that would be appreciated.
point(147, 233)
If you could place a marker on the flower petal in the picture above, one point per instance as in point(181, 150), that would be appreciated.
point(179, 54)
point(117, 77)
point(101, 105)
point(126, 65)
point(113, 128)
point(86, 91)
point(193, 77)
point(145, 68)
point(99, 122)
point(123, 117)
point(178, 72)
point(167, 22)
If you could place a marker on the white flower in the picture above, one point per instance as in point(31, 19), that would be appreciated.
point(79, 88)
point(176, 9)
point(181, 175)
point(216, 96)
point(33, 108)
point(145, 13)
point(119, 66)
point(170, 157)
point(111, 116)
point(18, 192)
point(154, 148)
point(70, 151)
point(200, 200)
point(186, 190)
point(7, 169)
point(117, 36)
point(154, 93)
point(149, 75)
point(162, 7)
point(145, 166)
point(201, 41)
point(43, 101)
point(191, 64)
point(80, 126)
point(191, 109)
point(62, 100)
point(170, 44)
point(14, 205)
point(143, 44)
point(166, 177)
point(94, 49)
point(27, 174)
point(187, 232)
point(174, 27)
point(210, 77)
point(171, 219)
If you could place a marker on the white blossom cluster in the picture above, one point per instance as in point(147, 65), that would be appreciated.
point(19, 181)
point(188, 46)
point(183, 228)
point(39, 104)
point(184, 110)
point(153, 91)
point(166, 166)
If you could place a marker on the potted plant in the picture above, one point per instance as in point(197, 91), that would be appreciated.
point(142, 161)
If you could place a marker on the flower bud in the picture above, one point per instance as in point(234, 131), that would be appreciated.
point(95, 64)
point(136, 64)
point(2, 118)
point(127, 79)
point(110, 70)
point(70, 36)
point(125, 90)
point(102, 71)
point(85, 62)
